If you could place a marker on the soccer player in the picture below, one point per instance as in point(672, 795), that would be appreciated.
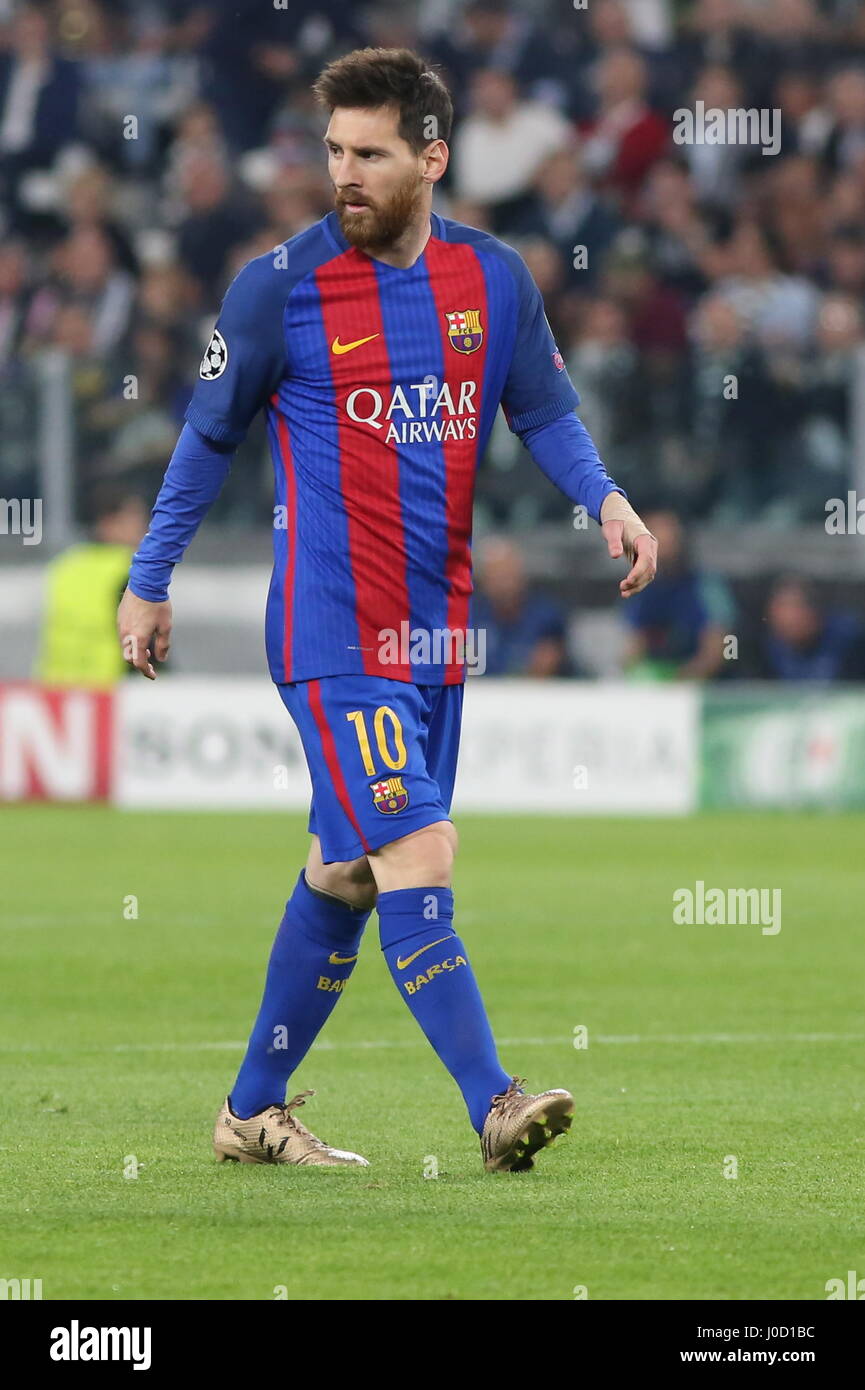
point(380, 342)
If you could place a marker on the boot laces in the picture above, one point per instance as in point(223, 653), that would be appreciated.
point(285, 1117)
point(506, 1099)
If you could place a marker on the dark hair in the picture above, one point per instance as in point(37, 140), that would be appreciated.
point(108, 498)
point(372, 77)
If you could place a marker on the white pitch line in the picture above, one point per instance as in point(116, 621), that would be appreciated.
point(99, 919)
point(381, 1044)
point(615, 1038)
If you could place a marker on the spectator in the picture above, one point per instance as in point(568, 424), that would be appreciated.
point(804, 642)
point(545, 268)
point(148, 398)
point(134, 74)
point(90, 277)
point(86, 280)
point(716, 170)
point(493, 34)
point(39, 94)
point(568, 213)
point(730, 410)
point(715, 32)
point(794, 212)
point(806, 122)
point(84, 587)
point(845, 144)
point(502, 144)
point(197, 136)
point(779, 308)
point(657, 324)
point(614, 405)
point(216, 221)
point(676, 228)
point(626, 137)
point(795, 35)
point(524, 631)
point(253, 53)
point(677, 624)
point(168, 295)
point(87, 202)
point(816, 463)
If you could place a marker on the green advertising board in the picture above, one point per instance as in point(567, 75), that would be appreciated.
point(784, 749)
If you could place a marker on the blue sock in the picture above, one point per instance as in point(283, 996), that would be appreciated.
point(431, 970)
point(313, 955)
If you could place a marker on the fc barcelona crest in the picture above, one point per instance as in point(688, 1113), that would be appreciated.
point(389, 796)
point(464, 330)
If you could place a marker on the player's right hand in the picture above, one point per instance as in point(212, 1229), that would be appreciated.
point(145, 630)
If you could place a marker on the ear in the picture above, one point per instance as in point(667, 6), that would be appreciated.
point(436, 158)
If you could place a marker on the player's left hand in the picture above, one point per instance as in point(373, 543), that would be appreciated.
point(144, 629)
point(643, 557)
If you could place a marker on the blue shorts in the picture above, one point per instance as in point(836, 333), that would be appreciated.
point(382, 757)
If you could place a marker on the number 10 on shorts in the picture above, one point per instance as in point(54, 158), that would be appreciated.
point(384, 715)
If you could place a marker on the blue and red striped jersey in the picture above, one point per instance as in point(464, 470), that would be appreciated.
point(380, 386)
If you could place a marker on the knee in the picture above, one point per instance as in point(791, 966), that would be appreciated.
point(419, 860)
point(446, 832)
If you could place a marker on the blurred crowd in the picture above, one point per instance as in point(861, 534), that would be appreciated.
point(688, 625)
point(708, 299)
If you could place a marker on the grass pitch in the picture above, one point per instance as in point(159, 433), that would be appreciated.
point(120, 1036)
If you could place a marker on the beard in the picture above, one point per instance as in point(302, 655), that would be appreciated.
point(379, 226)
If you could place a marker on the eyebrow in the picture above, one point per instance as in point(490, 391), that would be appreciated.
point(358, 149)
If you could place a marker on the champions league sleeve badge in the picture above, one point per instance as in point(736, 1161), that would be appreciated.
point(215, 359)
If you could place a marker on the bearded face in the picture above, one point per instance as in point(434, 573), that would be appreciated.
point(378, 179)
point(375, 224)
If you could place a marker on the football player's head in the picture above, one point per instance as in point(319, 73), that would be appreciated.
point(118, 514)
point(390, 120)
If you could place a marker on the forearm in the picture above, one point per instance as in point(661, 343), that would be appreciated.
point(565, 452)
point(193, 479)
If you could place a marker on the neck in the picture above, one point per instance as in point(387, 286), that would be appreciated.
point(409, 245)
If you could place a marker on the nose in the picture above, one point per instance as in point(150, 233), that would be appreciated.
point(347, 176)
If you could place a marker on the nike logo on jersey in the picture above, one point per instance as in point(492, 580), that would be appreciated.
point(336, 959)
point(401, 964)
point(338, 348)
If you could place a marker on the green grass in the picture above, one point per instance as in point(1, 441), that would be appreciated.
point(120, 1037)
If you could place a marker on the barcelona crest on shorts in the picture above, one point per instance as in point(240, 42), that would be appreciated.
point(389, 796)
point(464, 330)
